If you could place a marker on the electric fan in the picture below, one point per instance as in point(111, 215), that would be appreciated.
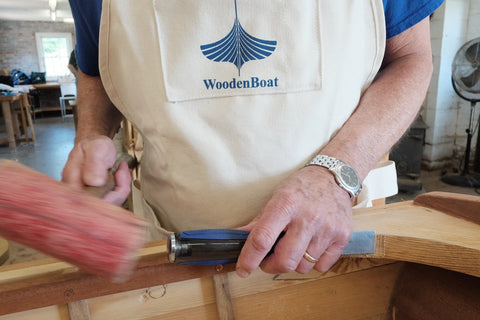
point(466, 83)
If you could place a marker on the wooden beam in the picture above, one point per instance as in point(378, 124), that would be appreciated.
point(48, 282)
point(223, 297)
point(78, 310)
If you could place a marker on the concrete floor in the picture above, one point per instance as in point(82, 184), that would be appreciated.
point(55, 140)
point(48, 154)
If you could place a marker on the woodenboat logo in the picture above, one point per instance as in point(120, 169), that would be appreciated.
point(238, 47)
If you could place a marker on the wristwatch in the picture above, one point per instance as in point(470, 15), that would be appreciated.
point(345, 176)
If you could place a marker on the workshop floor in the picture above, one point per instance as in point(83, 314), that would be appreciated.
point(55, 140)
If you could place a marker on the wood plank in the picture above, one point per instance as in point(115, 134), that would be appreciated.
point(9, 127)
point(57, 312)
point(359, 295)
point(23, 119)
point(158, 301)
point(458, 205)
point(407, 232)
point(429, 293)
point(223, 297)
point(153, 253)
point(204, 312)
point(259, 282)
point(51, 109)
point(25, 105)
point(52, 85)
point(10, 98)
point(58, 287)
point(262, 296)
point(78, 310)
point(195, 299)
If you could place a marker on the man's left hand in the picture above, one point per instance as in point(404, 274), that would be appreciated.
point(316, 215)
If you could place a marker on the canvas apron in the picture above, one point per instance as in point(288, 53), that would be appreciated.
point(233, 96)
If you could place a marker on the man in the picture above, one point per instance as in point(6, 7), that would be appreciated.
point(230, 115)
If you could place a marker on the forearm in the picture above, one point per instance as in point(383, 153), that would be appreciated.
point(315, 215)
point(389, 105)
point(94, 153)
point(96, 113)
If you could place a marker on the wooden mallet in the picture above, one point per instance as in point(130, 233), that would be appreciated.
point(68, 224)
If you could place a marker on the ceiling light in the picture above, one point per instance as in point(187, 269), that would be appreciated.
point(53, 9)
point(52, 4)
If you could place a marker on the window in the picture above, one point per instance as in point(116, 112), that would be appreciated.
point(53, 54)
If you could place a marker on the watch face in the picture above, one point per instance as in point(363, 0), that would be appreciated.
point(349, 176)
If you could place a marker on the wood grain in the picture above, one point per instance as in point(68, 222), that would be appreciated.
point(196, 299)
point(49, 282)
point(223, 297)
point(408, 232)
point(263, 296)
point(429, 293)
point(78, 310)
point(458, 205)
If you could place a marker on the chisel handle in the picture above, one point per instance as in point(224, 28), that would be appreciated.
point(221, 246)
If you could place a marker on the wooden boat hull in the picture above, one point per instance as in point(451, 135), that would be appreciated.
point(426, 266)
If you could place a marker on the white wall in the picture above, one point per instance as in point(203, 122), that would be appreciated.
point(447, 115)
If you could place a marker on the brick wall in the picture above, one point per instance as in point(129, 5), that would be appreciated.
point(18, 48)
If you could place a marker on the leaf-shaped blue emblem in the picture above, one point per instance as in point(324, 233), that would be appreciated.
point(238, 47)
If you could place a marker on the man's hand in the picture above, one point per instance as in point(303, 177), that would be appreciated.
point(316, 215)
point(89, 164)
point(313, 210)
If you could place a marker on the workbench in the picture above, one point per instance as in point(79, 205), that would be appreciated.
point(46, 97)
point(10, 115)
point(426, 265)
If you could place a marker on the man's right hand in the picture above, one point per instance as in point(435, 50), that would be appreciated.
point(89, 164)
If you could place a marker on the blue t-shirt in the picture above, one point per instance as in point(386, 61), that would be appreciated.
point(399, 16)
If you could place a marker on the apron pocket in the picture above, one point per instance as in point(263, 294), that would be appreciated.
point(219, 48)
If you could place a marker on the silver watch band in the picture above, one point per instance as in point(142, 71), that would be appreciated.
point(345, 176)
point(325, 161)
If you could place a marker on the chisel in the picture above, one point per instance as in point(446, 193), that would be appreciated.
point(220, 246)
